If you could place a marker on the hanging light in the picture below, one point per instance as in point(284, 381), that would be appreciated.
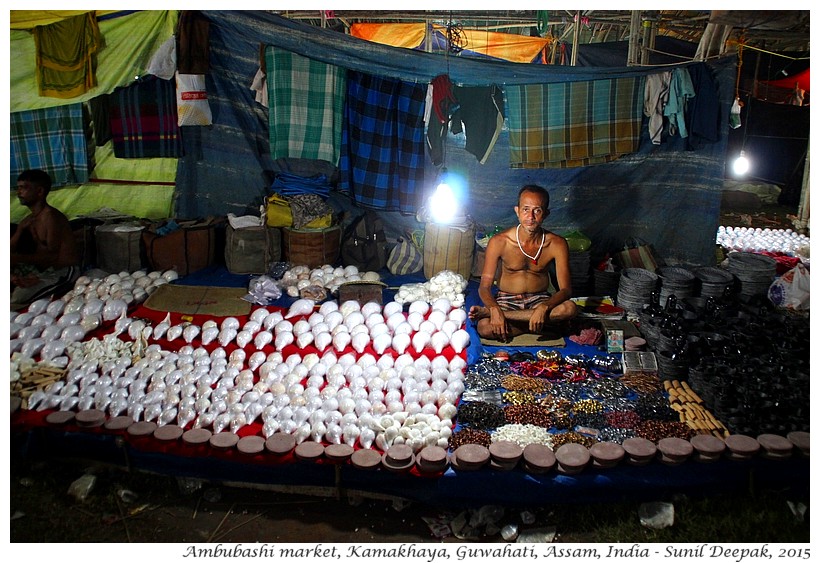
point(741, 164)
point(445, 204)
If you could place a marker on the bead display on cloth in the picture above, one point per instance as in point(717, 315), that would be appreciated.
point(521, 248)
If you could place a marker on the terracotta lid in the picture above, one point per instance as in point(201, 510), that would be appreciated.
point(505, 452)
point(470, 457)
point(366, 459)
point(606, 454)
point(432, 459)
point(572, 458)
point(800, 439)
point(398, 458)
point(61, 417)
point(338, 452)
point(90, 418)
point(707, 447)
point(775, 446)
point(224, 440)
point(251, 444)
point(538, 458)
point(741, 447)
point(15, 403)
point(280, 443)
point(639, 451)
point(168, 433)
point(674, 450)
point(142, 428)
point(119, 422)
point(196, 436)
point(309, 450)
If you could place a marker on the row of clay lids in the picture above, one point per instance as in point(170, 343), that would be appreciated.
point(502, 455)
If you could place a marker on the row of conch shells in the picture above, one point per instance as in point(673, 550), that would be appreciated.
point(359, 401)
point(435, 326)
point(329, 326)
point(47, 327)
point(295, 280)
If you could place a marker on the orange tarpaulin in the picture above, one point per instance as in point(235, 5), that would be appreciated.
point(505, 46)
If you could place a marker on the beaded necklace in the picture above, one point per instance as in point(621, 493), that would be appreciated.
point(521, 248)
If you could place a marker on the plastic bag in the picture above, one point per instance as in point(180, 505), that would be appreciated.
point(192, 100)
point(792, 289)
point(577, 241)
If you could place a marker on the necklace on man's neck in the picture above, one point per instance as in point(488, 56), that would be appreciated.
point(521, 248)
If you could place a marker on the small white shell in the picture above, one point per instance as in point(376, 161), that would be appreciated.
point(208, 334)
point(400, 342)
point(438, 341)
point(421, 306)
point(420, 340)
point(230, 322)
point(262, 339)
point(381, 342)
point(190, 332)
point(243, 337)
point(271, 320)
point(322, 340)
point(175, 332)
point(360, 341)
point(226, 335)
point(392, 308)
point(460, 340)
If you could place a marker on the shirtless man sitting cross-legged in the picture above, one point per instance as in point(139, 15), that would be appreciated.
point(523, 303)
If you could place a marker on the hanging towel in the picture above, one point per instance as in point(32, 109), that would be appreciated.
point(52, 139)
point(66, 56)
point(163, 63)
point(306, 99)
point(572, 124)
point(656, 96)
point(681, 91)
point(703, 113)
point(144, 120)
point(382, 156)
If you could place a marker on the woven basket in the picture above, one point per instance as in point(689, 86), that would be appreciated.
point(311, 247)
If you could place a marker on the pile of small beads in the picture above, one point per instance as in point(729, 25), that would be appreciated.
point(528, 414)
point(479, 414)
point(523, 434)
point(469, 436)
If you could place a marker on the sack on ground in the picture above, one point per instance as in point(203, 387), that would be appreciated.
point(406, 257)
point(637, 253)
point(364, 243)
point(792, 290)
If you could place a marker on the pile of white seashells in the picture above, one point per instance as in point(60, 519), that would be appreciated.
point(367, 375)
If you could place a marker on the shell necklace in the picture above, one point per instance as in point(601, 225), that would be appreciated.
point(521, 248)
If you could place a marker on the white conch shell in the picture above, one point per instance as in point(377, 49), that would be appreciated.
point(377, 329)
point(372, 319)
point(460, 340)
point(73, 333)
point(360, 341)
point(448, 327)
point(438, 341)
point(437, 317)
point(243, 337)
point(113, 308)
point(340, 340)
point(395, 320)
point(208, 334)
point(322, 340)
point(256, 359)
point(162, 327)
point(333, 319)
point(403, 328)
point(315, 318)
point(283, 326)
point(428, 326)
point(300, 307)
point(414, 319)
point(370, 308)
point(348, 307)
point(400, 342)
point(458, 316)
point(392, 308)
point(419, 305)
point(252, 326)
point(353, 319)
point(381, 342)
point(175, 332)
point(271, 320)
point(259, 315)
point(262, 339)
point(226, 336)
point(420, 340)
point(328, 307)
point(301, 326)
point(442, 304)
point(190, 332)
point(304, 339)
point(230, 322)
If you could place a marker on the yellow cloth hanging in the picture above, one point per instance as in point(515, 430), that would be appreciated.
point(66, 56)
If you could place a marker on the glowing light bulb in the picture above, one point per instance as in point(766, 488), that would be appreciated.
point(443, 204)
point(741, 164)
